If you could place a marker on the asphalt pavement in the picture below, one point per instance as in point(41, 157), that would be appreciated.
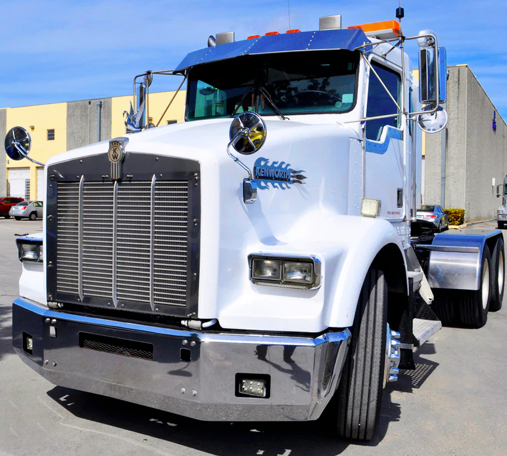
point(454, 403)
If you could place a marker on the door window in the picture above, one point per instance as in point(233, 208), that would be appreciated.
point(379, 101)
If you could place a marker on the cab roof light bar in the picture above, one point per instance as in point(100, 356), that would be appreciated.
point(382, 30)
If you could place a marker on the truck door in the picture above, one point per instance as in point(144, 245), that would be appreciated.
point(384, 144)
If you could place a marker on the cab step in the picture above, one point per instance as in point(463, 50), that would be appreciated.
point(424, 329)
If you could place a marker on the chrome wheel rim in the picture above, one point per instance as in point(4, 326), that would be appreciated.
point(392, 360)
point(501, 273)
point(485, 285)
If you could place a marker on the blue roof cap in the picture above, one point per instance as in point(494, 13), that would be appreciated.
point(347, 39)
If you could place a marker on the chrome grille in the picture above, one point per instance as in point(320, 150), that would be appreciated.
point(67, 233)
point(124, 242)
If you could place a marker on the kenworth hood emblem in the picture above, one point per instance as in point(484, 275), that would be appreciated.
point(116, 154)
point(280, 175)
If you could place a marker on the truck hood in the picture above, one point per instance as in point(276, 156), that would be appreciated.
point(284, 220)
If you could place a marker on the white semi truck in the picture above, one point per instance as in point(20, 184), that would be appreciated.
point(261, 261)
point(501, 213)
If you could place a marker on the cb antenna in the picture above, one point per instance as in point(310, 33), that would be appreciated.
point(288, 11)
point(400, 13)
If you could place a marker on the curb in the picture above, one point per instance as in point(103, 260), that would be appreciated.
point(459, 227)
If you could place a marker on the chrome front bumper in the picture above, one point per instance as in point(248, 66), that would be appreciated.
point(199, 382)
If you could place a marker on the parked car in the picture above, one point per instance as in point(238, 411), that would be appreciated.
point(436, 215)
point(27, 209)
point(6, 202)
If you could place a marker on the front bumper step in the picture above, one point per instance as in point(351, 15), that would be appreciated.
point(424, 329)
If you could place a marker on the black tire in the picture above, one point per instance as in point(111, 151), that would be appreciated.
point(17, 218)
point(33, 216)
point(497, 276)
point(7, 216)
point(473, 310)
point(444, 306)
point(360, 392)
point(466, 307)
point(500, 225)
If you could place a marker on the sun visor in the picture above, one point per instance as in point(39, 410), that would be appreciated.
point(291, 42)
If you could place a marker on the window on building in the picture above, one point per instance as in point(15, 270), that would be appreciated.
point(51, 135)
point(379, 101)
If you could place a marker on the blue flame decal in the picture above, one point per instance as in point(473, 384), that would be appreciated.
point(279, 175)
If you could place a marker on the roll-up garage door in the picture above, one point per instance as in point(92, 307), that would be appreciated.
point(40, 183)
point(19, 182)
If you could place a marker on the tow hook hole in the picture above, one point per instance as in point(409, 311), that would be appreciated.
point(185, 354)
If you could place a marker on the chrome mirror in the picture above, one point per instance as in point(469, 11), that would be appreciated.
point(247, 133)
point(17, 143)
point(432, 76)
point(432, 121)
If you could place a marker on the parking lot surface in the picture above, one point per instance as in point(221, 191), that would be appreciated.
point(455, 403)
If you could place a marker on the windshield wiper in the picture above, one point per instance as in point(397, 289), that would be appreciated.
point(272, 103)
point(240, 104)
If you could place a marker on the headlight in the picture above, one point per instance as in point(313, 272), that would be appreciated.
point(285, 272)
point(298, 272)
point(29, 250)
point(266, 269)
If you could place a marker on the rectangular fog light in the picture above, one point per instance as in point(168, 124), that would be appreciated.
point(27, 343)
point(252, 387)
point(264, 269)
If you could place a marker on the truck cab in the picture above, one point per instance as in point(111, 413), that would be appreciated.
point(272, 267)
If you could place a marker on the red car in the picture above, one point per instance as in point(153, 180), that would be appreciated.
point(6, 202)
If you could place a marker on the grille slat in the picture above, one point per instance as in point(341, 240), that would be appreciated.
point(125, 244)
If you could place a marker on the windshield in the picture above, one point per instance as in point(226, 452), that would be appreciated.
point(270, 84)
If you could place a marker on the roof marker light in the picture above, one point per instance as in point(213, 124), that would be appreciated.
point(272, 33)
point(253, 37)
point(381, 30)
point(293, 31)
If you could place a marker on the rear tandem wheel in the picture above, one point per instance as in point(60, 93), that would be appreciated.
point(466, 307)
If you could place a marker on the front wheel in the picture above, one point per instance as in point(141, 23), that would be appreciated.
point(33, 216)
point(500, 225)
point(7, 216)
point(360, 391)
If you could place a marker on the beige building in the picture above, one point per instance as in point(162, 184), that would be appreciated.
point(59, 127)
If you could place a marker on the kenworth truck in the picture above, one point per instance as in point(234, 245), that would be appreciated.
point(262, 260)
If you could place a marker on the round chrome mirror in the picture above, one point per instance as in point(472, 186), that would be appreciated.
point(432, 122)
point(248, 133)
point(17, 143)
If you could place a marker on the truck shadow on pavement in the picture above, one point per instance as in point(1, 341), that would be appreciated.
point(227, 439)
point(156, 427)
point(5, 331)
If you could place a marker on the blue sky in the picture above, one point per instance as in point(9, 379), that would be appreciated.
point(53, 51)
